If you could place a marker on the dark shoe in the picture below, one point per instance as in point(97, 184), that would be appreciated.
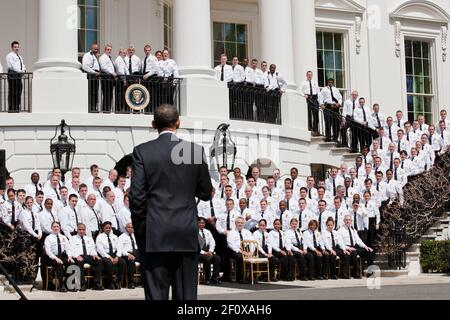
point(83, 288)
point(225, 279)
point(311, 279)
point(117, 285)
point(131, 286)
point(320, 278)
point(111, 287)
point(98, 287)
point(215, 281)
point(334, 278)
point(62, 290)
point(273, 280)
point(303, 279)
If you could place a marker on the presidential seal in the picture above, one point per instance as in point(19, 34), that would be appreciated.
point(137, 97)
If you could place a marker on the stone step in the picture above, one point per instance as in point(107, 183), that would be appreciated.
point(317, 139)
point(394, 273)
point(350, 157)
point(340, 151)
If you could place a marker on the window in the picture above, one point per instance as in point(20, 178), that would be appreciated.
point(89, 25)
point(331, 60)
point(419, 83)
point(231, 39)
point(168, 27)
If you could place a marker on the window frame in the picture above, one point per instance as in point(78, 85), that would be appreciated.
point(247, 43)
point(99, 30)
point(169, 45)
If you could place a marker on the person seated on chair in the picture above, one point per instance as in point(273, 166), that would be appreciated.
point(82, 249)
point(234, 240)
point(129, 251)
point(296, 248)
point(265, 249)
point(107, 248)
point(313, 241)
point(277, 241)
point(56, 247)
point(207, 254)
point(355, 245)
point(336, 248)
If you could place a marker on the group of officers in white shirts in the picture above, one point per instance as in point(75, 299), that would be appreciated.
point(93, 207)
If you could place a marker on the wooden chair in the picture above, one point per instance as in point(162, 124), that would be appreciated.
point(88, 274)
point(252, 262)
point(50, 276)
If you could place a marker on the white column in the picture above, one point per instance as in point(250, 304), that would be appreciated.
point(192, 37)
point(276, 36)
point(58, 36)
point(58, 84)
point(304, 24)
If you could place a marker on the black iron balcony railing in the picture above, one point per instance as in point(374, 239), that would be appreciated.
point(347, 133)
point(250, 103)
point(107, 93)
point(15, 92)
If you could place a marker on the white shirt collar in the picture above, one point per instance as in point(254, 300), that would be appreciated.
point(167, 132)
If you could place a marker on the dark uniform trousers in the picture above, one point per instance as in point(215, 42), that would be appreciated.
point(332, 123)
point(287, 266)
point(365, 256)
point(372, 232)
point(108, 84)
point(121, 87)
point(315, 265)
point(14, 91)
point(109, 268)
point(330, 263)
point(273, 261)
point(232, 255)
point(207, 261)
point(300, 259)
point(93, 87)
point(249, 101)
point(313, 113)
point(96, 266)
point(179, 269)
point(261, 101)
point(131, 267)
point(59, 268)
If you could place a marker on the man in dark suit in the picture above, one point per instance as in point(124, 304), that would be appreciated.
point(168, 173)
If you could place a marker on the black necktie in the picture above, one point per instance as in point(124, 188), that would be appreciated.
point(37, 189)
point(115, 216)
point(145, 64)
point(354, 221)
point(381, 143)
point(133, 245)
point(248, 203)
point(399, 146)
point(378, 186)
point(59, 246)
point(392, 161)
point(320, 221)
point(346, 193)
point(395, 174)
point(222, 75)
point(111, 249)
point(281, 219)
point(240, 236)
point(298, 240)
point(228, 221)
point(309, 194)
point(280, 240)
point(354, 107)
point(213, 214)
point(399, 124)
point(57, 194)
point(21, 64)
point(287, 204)
point(431, 139)
point(364, 114)
point(33, 221)
point(310, 88)
point(84, 246)
point(390, 133)
point(336, 218)
point(315, 239)
point(333, 242)
point(407, 136)
point(352, 243)
point(263, 240)
point(378, 120)
point(237, 194)
point(13, 212)
point(130, 65)
point(98, 221)
point(334, 187)
point(76, 216)
point(300, 219)
point(53, 217)
point(403, 164)
point(332, 96)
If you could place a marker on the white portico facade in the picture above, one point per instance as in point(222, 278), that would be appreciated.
point(373, 49)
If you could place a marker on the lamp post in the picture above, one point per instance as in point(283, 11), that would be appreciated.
point(63, 149)
point(223, 149)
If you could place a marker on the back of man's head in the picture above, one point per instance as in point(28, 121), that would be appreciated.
point(166, 118)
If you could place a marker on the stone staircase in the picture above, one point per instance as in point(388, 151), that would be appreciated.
point(331, 151)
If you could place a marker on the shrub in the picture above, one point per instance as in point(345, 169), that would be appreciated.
point(434, 256)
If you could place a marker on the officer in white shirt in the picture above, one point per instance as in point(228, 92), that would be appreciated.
point(109, 212)
point(399, 121)
point(338, 213)
point(334, 181)
point(34, 186)
point(70, 218)
point(260, 183)
point(316, 248)
point(399, 173)
point(401, 143)
point(322, 215)
point(38, 205)
point(391, 154)
point(296, 247)
point(330, 99)
point(91, 217)
point(133, 61)
point(445, 136)
point(265, 213)
point(360, 220)
point(310, 91)
point(260, 91)
point(410, 136)
point(224, 72)
point(394, 188)
point(284, 215)
point(422, 125)
point(362, 116)
point(390, 130)
point(128, 249)
point(109, 182)
point(124, 214)
point(239, 189)
point(83, 251)
point(406, 164)
point(383, 140)
point(149, 62)
point(47, 217)
point(248, 215)
point(434, 139)
point(291, 203)
point(335, 248)
point(208, 256)
point(277, 240)
point(13, 211)
point(16, 68)
point(275, 85)
point(57, 250)
point(234, 240)
point(304, 215)
point(119, 191)
point(355, 245)
point(297, 182)
point(373, 213)
point(169, 71)
point(377, 119)
point(253, 202)
point(107, 248)
point(121, 83)
point(265, 249)
point(92, 68)
point(29, 220)
point(380, 186)
point(238, 71)
point(109, 77)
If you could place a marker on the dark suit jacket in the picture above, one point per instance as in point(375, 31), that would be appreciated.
point(168, 174)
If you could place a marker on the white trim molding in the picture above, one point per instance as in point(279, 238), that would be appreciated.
point(358, 22)
point(346, 6)
point(398, 38)
point(444, 33)
point(422, 11)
